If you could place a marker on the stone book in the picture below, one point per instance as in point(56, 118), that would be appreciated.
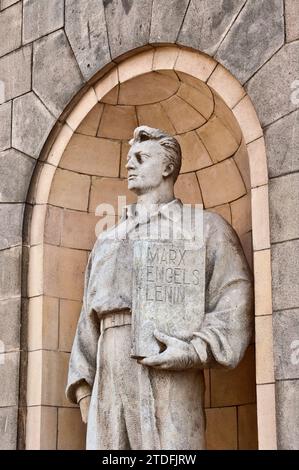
point(168, 292)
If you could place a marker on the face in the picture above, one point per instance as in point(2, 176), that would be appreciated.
point(147, 166)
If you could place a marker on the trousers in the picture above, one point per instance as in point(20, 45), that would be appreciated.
point(141, 408)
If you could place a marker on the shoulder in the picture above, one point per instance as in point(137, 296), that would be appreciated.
point(216, 227)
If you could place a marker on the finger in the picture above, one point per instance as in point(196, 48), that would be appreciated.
point(153, 360)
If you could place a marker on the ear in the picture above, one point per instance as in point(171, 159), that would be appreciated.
point(168, 170)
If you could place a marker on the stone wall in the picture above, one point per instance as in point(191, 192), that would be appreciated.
point(49, 54)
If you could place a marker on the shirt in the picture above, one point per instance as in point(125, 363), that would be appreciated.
point(227, 326)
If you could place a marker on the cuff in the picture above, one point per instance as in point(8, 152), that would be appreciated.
point(83, 390)
point(201, 349)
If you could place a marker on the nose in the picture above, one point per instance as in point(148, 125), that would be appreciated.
point(130, 164)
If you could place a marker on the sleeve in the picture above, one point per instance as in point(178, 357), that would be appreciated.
point(82, 365)
point(228, 323)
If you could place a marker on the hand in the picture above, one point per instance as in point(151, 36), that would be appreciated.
point(84, 408)
point(178, 354)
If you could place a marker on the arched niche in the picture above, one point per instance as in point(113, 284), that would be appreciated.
point(224, 166)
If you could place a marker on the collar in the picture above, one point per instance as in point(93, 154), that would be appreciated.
point(171, 210)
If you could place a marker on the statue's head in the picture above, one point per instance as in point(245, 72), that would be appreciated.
point(154, 157)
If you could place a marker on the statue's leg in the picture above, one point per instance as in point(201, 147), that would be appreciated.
point(179, 402)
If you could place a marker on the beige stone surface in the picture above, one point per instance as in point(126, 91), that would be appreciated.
point(258, 162)
point(182, 116)
point(260, 218)
point(35, 281)
point(149, 88)
point(53, 225)
point(107, 190)
point(218, 139)
point(59, 145)
point(195, 64)
point(197, 98)
point(105, 84)
point(221, 433)
point(118, 122)
point(34, 378)
point(71, 430)
point(137, 65)
point(69, 311)
point(227, 116)
point(78, 230)
point(85, 105)
point(235, 386)
point(194, 153)
point(55, 364)
point(64, 272)
point(224, 210)
point(263, 282)
point(38, 224)
point(165, 57)
point(242, 161)
point(187, 189)
point(246, 242)
point(291, 19)
point(92, 156)
point(195, 83)
point(221, 183)
point(89, 125)
point(125, 147)
point(266, 417)
point(43, 323)
point(207, 399)
point(112, 96)
point(43, 184)
point(41, 428)
point(154, 115)
point(226, 86)
point(241, 214)
point(70, 190)
point(247, 427)
point(264, 349)
point(248, 120)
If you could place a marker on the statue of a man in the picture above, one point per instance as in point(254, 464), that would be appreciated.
point(155, 402)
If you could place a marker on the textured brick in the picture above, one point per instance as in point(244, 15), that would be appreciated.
point(56, 77)
point(206, 23)
point(85, 27)
point(32, 124)
point(284, 207)
point(285, 268)
point(287, 394)
point(282, 142)
point(259, 28)
point(10, 323)
point(292, 22)
point(70, 190)
point(286, 344)
point(16, 73)
point(247, 427)
point(10, 273)
point(9, 384)
point(167, 18)
point(15, 175)
point(5, 127)
point(271, 87)
point(128, 24)
point(11, 216)
point(41, 428)
point(71, 430)
point(10, 29)
point(221, 432)
point(41, 17)
point(8, 428)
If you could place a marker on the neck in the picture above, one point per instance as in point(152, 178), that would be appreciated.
point(156, 196)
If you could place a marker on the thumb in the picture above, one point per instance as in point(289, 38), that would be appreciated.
point(162, 337)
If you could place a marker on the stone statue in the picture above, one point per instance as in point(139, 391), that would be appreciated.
point(154, 402)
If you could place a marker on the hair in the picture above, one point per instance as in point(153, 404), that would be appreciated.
point(171, 146)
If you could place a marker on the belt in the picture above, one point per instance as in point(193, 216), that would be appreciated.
point(120, 318)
